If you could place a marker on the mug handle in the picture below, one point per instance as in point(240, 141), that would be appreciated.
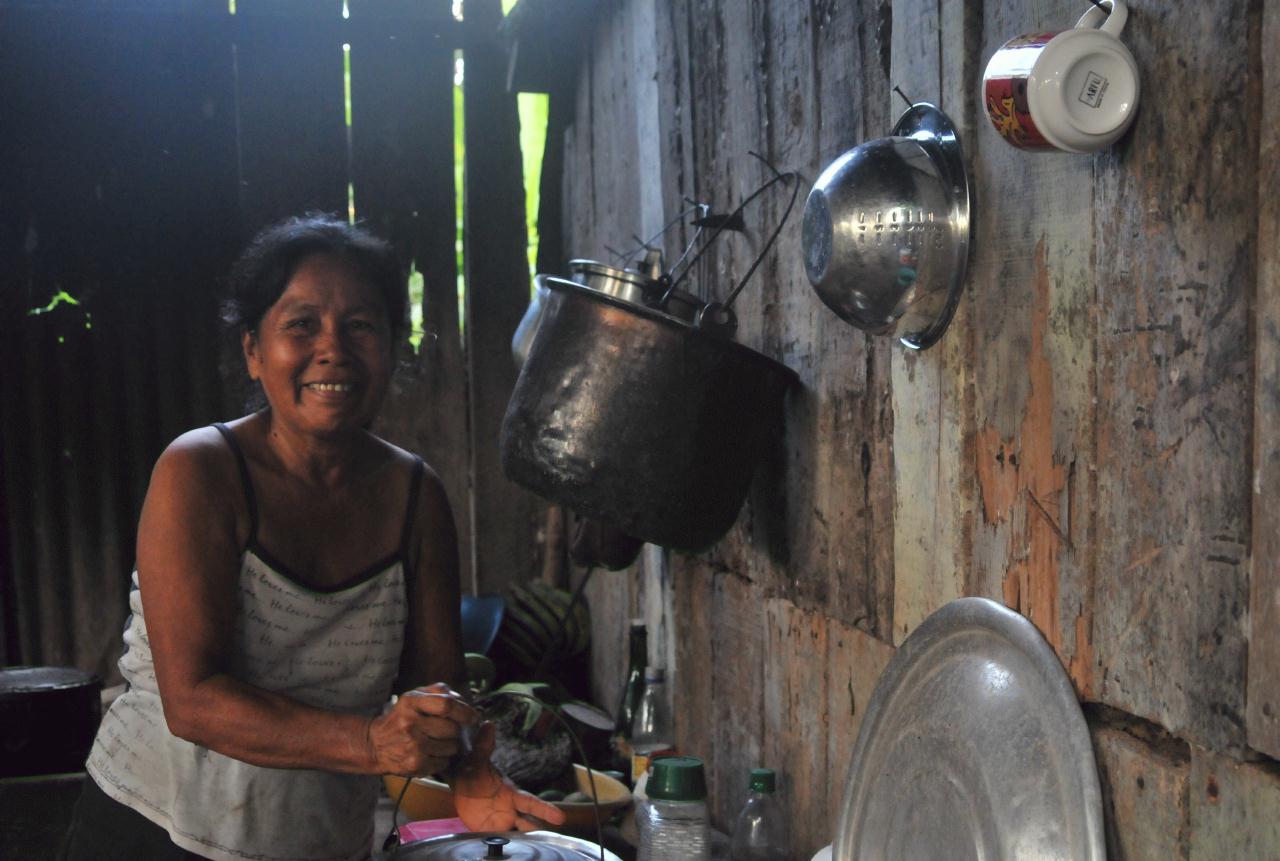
point(1113, 22)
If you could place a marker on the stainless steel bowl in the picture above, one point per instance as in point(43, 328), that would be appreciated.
point(886, 230)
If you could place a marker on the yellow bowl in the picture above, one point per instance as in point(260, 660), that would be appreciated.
point(430, 799)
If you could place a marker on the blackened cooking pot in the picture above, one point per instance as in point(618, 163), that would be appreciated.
point(48, 717)
point(639, 419)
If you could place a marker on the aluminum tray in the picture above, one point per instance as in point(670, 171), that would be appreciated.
point(973, 747)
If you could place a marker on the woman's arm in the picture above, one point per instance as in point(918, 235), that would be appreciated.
point(433, 633)
point(188, 569)
point(485, 799)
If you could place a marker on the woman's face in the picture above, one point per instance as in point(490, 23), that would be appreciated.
point(322, 352)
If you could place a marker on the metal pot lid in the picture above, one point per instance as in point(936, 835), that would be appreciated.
point(973, 747)
point(530, 846)
point(886, 230)
point(594, 267)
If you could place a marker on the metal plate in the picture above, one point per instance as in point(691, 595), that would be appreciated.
point(973, 747)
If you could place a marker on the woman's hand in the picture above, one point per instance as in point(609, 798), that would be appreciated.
point(424, 730)
point(488, 801)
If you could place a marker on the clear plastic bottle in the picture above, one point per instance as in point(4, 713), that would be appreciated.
point(651, 731)
point(673, 822)
point(760, 831)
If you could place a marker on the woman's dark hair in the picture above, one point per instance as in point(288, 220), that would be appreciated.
point(263, 271)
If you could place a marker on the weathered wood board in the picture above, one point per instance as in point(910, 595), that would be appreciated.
point(292, 145)
point(931, 396)
point(796, 720)
point(1031, 297)
point(1263, 696)
point(1145, 797)
point(855, 661)
point(1235, 808)
point(1175, 261)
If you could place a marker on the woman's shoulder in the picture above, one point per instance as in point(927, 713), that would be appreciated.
point(200, 459)
point(198, 447)
point(431, 505)
point(402, 460)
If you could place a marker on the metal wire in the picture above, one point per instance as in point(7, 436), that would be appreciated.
point(582, 754)
point(393, 836)
point(646, 244)
point(777, 177)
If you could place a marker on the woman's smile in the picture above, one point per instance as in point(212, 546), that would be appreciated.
point(322, 352)
point(335, 391)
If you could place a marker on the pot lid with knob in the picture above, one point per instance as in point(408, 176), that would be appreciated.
point(529, 846)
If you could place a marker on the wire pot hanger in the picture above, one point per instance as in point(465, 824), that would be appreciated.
point(731, 221)
point(715, 316)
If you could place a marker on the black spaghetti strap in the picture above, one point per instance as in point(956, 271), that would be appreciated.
point(244, 479)
point(414, 485)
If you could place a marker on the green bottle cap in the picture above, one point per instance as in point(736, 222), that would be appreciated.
point(762, 780)
point(677, 778)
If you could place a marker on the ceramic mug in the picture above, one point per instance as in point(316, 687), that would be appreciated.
point(1075, 90)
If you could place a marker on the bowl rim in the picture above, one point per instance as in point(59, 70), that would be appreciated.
point(926, 124)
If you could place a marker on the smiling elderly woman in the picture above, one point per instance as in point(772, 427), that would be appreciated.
point(293, 569)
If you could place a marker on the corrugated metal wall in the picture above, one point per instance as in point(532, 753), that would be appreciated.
point(143, 143)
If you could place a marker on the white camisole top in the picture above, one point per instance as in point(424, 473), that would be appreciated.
point(338, 650)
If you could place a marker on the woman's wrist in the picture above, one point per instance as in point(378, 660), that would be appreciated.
point(369, 751)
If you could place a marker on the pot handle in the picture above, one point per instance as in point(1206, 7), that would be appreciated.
point(717, 319)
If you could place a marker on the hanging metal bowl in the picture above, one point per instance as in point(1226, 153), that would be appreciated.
point(886, 230)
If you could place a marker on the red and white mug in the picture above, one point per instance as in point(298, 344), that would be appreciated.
point(1074, 90)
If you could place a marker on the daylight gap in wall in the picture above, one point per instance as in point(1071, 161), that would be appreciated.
point(346, 101)
point(459, 177)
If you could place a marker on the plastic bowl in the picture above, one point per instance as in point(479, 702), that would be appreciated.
point(431, 799)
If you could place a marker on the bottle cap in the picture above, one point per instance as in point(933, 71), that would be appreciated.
point(655, 674)
point(677, 778)
point(762, 780)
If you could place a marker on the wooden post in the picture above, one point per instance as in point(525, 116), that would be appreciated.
point(503, 516)
point(402, 153)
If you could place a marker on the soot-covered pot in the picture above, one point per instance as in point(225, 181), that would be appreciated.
point(639, 419)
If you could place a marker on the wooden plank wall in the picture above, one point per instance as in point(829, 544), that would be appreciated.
point(1092, 443)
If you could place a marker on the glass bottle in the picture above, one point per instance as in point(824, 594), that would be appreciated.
point(760, 831)
point(673, 823)
point(633, 686)
point(651, 729)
